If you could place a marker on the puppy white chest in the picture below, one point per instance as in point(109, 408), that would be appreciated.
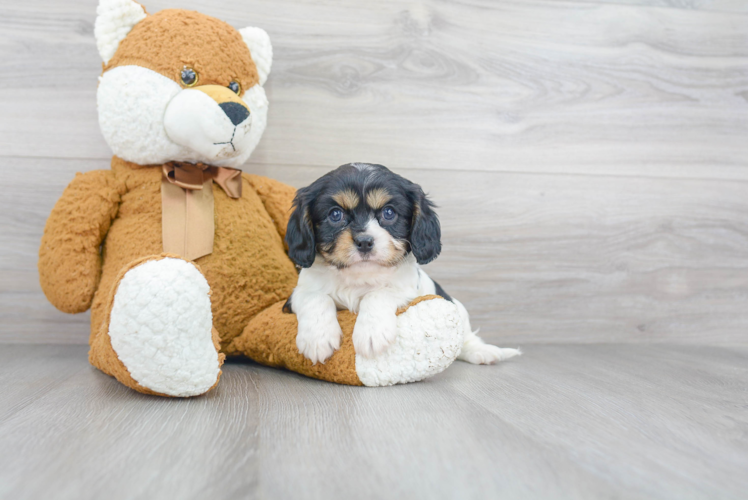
point(348, 286)
point(352, 284)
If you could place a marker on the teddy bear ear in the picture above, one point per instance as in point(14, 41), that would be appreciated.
point(260, 49)
point(114, 20)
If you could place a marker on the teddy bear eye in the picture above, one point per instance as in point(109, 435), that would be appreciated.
point(189, 77)
point(235, 87)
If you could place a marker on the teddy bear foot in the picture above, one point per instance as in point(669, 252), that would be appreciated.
point(429, 338)
point(161, 328)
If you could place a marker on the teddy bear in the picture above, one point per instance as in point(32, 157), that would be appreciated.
point(179, 254)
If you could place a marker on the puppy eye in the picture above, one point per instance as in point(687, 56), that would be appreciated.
point(189, 77)
point(388, 213)
point(235, 87)
point(335, 215)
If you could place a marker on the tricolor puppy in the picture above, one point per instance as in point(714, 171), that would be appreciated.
point(360, 233)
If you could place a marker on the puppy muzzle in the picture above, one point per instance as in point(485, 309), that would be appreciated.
point(364, 243)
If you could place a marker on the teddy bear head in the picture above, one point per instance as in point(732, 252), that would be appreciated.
point(179, 85)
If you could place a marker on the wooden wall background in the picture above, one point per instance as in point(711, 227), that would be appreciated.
point(590, 158)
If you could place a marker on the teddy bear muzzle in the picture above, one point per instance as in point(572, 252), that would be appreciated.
point(211, 120)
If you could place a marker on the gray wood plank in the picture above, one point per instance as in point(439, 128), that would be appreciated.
point(52, 365)
point(539, 258)
point(535, 257)
point(542, 86)
point(91, 437)
point(475, 90)
point(714, 5)
point(27, 317)
point(634, 413)
point(595, 421)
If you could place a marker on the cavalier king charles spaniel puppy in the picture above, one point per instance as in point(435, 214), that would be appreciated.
point(359, 234)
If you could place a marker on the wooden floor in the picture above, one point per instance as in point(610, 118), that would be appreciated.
point(563, 421)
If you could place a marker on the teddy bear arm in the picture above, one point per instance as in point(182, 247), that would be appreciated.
point(69, 254)
point(277, 198)
point(429, 340)
point(270, 339)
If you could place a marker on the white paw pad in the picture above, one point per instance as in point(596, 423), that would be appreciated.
point(161, 325)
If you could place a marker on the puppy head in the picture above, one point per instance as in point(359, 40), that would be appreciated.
point(362, 213)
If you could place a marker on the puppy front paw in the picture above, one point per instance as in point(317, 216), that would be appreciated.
point(318, 341)
point(485, 354)
point(373, 335)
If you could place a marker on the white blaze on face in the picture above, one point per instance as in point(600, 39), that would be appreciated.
point(149, 119)
point(386, 250)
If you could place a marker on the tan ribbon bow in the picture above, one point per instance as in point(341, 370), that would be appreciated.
point(187, 219)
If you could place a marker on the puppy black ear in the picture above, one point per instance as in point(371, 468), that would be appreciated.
point(300, 233)
point(425, 231)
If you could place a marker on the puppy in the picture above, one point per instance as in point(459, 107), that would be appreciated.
point(359, 234)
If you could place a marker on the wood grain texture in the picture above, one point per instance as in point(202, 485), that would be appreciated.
point(534, 257)
point(548, 86)
point(594, 421)
point(588, 157)
point(537, 257)
point(713, 5)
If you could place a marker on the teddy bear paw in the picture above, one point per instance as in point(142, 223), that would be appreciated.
point(429, 337)
point(161, 328)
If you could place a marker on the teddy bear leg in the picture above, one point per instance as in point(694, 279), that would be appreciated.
point(270, 339)
point(429, 337)
point(158, 337)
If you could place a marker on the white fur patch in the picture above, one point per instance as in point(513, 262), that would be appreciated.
point(429, 336)
point(386, 248)
point(161, 325)
point(349, 285)
point(376, 325)
point(474, 349)
point(132, 101)
point(260, 49)
point(318, 334)
point(132, 104)
point(114, 21)
point(375, 292)
point(194, 120)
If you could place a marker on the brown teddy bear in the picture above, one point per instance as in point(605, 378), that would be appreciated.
point(178, 253)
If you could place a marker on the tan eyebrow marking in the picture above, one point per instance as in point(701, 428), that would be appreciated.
point(377, 198)
point(347, 199)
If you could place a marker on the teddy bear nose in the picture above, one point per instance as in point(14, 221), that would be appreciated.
point(364, 243)
point(235, 111)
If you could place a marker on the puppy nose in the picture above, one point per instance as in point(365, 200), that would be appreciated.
point(235, 111)
point(364, 243)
